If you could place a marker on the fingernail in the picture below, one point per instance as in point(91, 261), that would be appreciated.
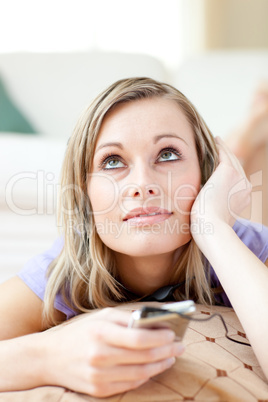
point(171, 361)
point(170, 336)
point(141, 382)
point(179, 349)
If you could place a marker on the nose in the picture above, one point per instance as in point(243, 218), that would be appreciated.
point(137, 191)
point(141, 184)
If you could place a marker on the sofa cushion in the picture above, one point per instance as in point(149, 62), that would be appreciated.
point(54, 88)
point(11, 119)
point(32, 167)
point(211, 369)
point(221, 85)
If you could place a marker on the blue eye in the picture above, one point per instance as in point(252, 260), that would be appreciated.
point(168, 154)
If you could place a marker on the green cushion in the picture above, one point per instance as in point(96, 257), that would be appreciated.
point(11, 119)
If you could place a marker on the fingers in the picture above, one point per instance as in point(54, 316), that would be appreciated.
point(109, 382)
point(115, 369)
point(99, 391)
point(122, 373)
point(131, 338)
point(109, 314)
point(114, 314)
point(226, 156)
point(107, 356)
point(225, 153)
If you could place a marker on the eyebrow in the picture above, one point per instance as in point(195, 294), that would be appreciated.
point(156, 139)
point(159, 137)
point(110, 144)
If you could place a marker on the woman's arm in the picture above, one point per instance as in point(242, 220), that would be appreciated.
point(20, 310)
point(20, 363)
point(20, 355)
point(245, 280)
point(94, 353)
point(243, 276)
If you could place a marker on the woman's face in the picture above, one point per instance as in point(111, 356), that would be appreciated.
point(145, 177)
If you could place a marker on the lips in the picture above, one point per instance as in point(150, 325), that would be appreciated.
point(146, 213)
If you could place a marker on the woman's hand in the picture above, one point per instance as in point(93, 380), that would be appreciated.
point(98, 355)
point(225, 195)
point(241, 273)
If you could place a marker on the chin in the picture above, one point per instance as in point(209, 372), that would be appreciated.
point(149, 246)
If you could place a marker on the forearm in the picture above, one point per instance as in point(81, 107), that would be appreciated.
point(245, 280)
point(21, 361)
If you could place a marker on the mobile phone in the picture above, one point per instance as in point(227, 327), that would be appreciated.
point(169, 316)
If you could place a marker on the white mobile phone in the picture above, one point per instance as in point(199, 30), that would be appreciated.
point(165, 316)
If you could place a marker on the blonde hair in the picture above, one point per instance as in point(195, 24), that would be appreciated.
point(85, 271)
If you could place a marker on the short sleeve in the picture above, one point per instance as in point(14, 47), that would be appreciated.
point(255, 237)
point(33, 274)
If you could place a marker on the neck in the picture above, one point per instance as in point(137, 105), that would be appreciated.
point(144, 275)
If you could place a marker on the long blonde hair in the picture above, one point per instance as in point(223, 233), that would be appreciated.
point(85, 271)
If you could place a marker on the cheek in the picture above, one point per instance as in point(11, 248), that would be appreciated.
point(185, 193)
point(103, 194)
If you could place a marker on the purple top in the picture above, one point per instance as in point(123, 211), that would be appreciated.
point(253, 235)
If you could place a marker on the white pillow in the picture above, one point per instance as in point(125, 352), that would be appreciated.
point(30, 169)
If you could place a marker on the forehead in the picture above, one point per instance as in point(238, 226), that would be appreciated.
point(144, 118)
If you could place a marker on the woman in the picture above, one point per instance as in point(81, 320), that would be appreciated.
point(148, 200)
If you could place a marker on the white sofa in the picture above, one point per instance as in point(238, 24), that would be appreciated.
point(52, 89)
point(221, 85)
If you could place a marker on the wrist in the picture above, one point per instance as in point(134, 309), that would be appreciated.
point(48, 356)
point(21, 363)
point(209, 230)
point(36, 355)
